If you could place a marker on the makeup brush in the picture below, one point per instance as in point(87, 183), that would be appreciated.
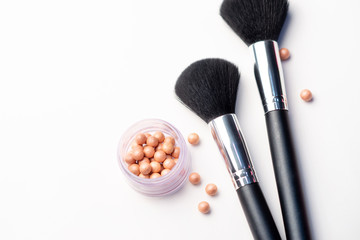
point(258, 23)
point(209, 88)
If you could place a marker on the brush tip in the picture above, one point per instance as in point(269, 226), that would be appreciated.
point(255, 20)
point(209, 88)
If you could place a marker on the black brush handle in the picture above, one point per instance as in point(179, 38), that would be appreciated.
point(287, 176)
point(257, 212)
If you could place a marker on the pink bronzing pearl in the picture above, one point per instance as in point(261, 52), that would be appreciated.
point(193, 138)
point(140, 138)
point(160, 136)
point(204, 207)
point(194, 178)
point(152, 141)
point(284, 54)
point(306, 95)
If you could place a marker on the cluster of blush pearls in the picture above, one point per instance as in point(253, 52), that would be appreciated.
point(152, 156)
point(210, 189)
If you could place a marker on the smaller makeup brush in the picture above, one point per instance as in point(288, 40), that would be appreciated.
point(209, 88)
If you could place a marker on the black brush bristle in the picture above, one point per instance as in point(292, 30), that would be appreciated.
point(255, 20)
point(209, 88)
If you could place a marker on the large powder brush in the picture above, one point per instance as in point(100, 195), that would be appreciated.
point(209, 88)
point(258, 23)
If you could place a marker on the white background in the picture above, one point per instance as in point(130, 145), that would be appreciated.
point(75, 74)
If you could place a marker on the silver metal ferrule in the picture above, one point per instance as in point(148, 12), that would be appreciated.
point(269, 75)
point(227, 134)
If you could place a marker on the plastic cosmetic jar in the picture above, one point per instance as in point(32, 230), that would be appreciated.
point(164, 185)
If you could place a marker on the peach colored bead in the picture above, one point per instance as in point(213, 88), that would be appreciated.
point(152, 159)
point(169, 157)
point(129, 159)
point(194, 178)
point(145, 168)
point(168, 147)
point(165, 171)
point(147, 135)
point(284, 54)
point(155, 167)
point(137, 154)
point(134, 147)
point(145, 160)
point(160, 136)
point(134, 168)
point(149, 151)
point(169, 139)
point(193, 138)
point(306, 95)
point(155, 175)
point(152, 141)
point(204, 207)
point(160, 156)
point(159, 147)
point(144, 176)
point(140, 138)
point(176, 152)
point(211, 189)
point(169, 163)
point(176, 160)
